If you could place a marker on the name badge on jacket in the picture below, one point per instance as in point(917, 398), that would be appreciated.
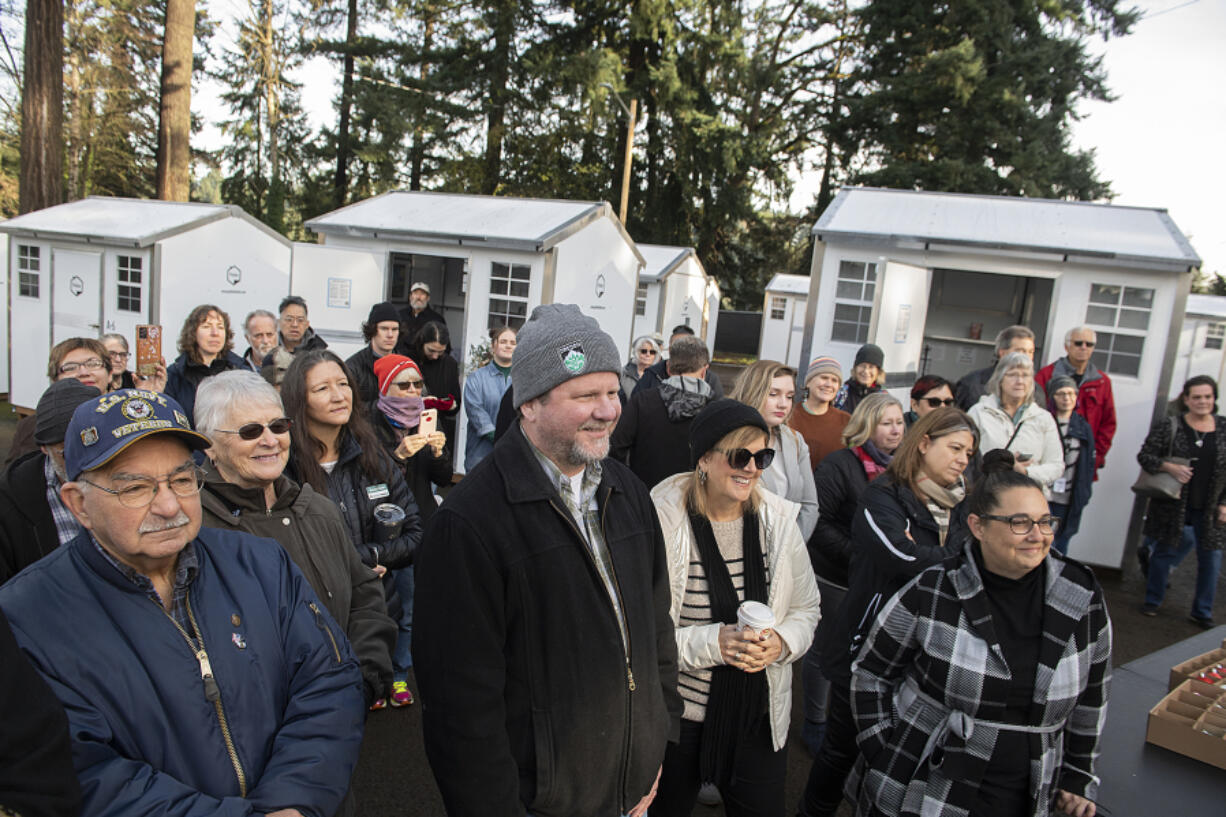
point(379, 491)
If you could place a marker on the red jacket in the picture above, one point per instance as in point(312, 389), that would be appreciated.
point(1095, 402)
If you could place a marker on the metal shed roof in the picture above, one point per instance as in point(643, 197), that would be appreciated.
point(661, 260)
point(789, 284)
point(125, 222)
point(1084, 229)
point(1213, 305)
point(533, 225)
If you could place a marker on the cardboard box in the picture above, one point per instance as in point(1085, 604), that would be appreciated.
point(1191, 720)
point(1187, 669)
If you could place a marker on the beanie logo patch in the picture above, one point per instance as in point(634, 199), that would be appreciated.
point(572, 357)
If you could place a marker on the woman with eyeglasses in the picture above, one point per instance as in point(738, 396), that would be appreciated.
point(900, 528)
point(646, 353)
point(982, 686)
point(206, 347)
point(728, 541)
point(1071, 491)
point(870, 440)
point(335, 451)
point(929, 393)
point(245, 489)
point(1008, 417)
point(483, 392)
point(117, 352)
point(770, 387)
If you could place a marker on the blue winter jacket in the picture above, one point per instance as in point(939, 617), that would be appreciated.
point(483, 391)
point(145, 739)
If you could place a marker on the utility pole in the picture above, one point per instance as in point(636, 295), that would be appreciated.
point(632, 114)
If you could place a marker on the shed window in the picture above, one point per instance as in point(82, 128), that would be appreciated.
point(29, 265)
point(640, 300)
point(128, 276)
point(1214, 333)
point(509, 294)
point(1124, 312)
point(778, 307)
point(853, 301)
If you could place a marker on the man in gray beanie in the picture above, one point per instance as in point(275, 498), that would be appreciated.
point(542, 642)
point(33, 519)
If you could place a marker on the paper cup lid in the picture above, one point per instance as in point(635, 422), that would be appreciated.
point(755, 614)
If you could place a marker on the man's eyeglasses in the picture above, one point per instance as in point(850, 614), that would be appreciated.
point(253, 431)
point(139, 493)
point(119, 355)
point(1086, 343)
point(1021, 524)
point(92, 365)
point(937, 402)
point(740, 458)
point(293, 321)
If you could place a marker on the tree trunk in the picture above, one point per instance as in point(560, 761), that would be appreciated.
point(500, 76)
point(42, 107)
point(340, 188)
point(175, 115)
point(417, 153)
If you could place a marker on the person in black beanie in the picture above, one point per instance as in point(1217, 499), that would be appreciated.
point(382, 333)
point(36, 773)
point(867, 376)
point(722, 531)
point(33, 519)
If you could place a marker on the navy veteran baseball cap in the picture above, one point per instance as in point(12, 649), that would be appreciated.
point(103, 427)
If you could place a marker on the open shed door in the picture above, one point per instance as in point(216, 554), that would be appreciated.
point(898, 319)
point(340, 286)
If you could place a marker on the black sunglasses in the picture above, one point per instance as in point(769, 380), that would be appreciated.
point(937, 402)
point(1089, 343)
point(651, 352)
point(740, 458)
point(253, 431)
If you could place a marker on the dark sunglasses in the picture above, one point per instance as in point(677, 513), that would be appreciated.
point(253, 431)
point(651, 352)
point(937, 402)
point(1089, 343)
point(405, 385)
point(740, 458)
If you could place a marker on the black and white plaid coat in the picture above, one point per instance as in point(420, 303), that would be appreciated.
point(932, 679)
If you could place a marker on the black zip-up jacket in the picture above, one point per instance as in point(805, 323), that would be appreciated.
point(309, 527)
point(184, 376)
point(347, 487)
point(883, 559)
point(531, 702)
point(27, 529)
point(840, 482)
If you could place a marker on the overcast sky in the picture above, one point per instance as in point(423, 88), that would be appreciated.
point(1159, 143)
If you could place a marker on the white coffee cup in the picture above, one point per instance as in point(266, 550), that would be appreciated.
point(755, 616)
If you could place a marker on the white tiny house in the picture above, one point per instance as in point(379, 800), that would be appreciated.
point(102, 265)
point(932, 277)
point(783, 319)
point(674, 289)
point(1201, 339)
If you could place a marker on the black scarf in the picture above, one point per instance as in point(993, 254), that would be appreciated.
point(738, 699)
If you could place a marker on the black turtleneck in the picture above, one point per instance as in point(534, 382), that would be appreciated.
point(1016, 607)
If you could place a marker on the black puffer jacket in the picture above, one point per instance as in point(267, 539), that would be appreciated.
point(840, 482)
point(894, 539)
point(309, 528)
point(421, 471)
point(357, 494)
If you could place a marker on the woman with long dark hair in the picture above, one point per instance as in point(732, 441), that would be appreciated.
point(335, 451)
point(440, 371)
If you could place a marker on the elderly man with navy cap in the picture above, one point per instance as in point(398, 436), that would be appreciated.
point(199, 672)
point(542, 639)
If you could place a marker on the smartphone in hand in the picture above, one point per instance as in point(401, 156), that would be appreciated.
point(148, 349)
point(429, 421)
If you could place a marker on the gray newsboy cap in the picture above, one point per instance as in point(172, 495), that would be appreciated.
point(557, 343)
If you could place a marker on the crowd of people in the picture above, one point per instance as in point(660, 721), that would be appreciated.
point(213, 571)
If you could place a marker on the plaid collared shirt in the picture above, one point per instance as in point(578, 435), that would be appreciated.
point(586, 514)
point(186, 568)
point(66, 525)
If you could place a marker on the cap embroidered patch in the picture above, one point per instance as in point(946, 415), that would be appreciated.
point(181, 419)
point(89, 436)
point(136, 409)
point(572, 357)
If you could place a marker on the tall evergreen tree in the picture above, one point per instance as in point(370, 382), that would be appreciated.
point(42, 107)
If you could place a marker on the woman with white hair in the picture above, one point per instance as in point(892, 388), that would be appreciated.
point(1008, 417)
point(245, 489)
point(646, 353)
